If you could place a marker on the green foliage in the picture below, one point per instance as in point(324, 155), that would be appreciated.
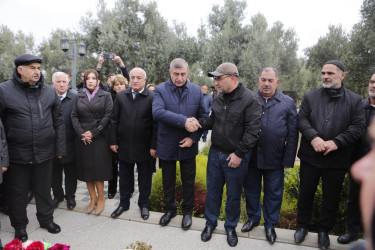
point(288, 213)
point(291, 190)
point(11, 46)
point(157, 202)
point(137, 32)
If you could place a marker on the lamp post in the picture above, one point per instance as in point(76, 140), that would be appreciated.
point(64, 44)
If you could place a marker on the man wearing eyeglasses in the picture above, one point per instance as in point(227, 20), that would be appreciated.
point(235, 122)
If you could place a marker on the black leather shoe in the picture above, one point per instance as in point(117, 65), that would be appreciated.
point(323, 240)
point(248, 226)
point(207, 233)
point(52, 227)
point(119, 211)
point(21, 234)
point(111, 195)
point(347, 238)
point(271, 235)
point(186, 221)
point(300, 234)
point(56, 202)
point(232, 238)
point(71, 203)
point(166, 218)
point(145, 213)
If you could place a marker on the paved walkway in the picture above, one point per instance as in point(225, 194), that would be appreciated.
point(82, 231)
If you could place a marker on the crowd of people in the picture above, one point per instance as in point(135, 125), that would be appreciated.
point(101, 132)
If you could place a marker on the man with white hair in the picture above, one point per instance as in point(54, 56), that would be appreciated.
point(60, 81)
point(133, 137)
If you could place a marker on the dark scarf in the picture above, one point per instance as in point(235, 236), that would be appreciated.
point(335, 92)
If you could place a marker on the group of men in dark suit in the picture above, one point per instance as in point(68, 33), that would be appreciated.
point(168, 125)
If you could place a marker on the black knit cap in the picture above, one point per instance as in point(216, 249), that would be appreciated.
point(339, 64)
point(26, 59)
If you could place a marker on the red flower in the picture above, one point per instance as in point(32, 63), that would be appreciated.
point(59, 246)
point(36, 245)
point(15, 244)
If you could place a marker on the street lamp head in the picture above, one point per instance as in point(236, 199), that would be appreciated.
point(64, 44)
point(82, 49)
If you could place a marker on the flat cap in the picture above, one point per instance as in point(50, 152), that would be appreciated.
point(337, 63)
point(26, 59)
point(224, 69)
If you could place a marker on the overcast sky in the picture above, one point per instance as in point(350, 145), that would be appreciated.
point(310, 19)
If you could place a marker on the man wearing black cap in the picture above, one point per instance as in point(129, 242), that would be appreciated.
point(35, 133)
point(235, 122)
point(330, 120)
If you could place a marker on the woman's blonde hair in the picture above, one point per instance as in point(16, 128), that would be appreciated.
point(118, 78)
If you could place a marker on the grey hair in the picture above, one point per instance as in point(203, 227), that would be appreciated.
point(59, 73)
point(144, 72)
point(178, 63)
point(268, 69)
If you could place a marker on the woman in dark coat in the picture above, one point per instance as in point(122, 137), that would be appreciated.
point(90, 118)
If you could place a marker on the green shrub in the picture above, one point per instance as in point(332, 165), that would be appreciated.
point(157, 202)
point(288, 213)
point(291, 190)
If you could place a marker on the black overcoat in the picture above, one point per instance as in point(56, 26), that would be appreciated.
point(133, 128)
point(94, 160)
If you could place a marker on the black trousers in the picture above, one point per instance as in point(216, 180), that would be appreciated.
point(70, 180)
point(20, 179)
point(353, 212)
point(112, 184)
point(3, 191)
point(127, 182)
point(332, 179)
point(188, 170)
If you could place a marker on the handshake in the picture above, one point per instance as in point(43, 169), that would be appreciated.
point(192, 124)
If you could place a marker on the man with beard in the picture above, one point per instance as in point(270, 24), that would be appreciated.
point(353, 215)
point(331, 119)
point(35, 132)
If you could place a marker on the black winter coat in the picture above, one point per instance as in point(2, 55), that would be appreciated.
point(363, 145)
point(66, 107)
point(33, 121)
point(133, 128)
point(338, 116)
point(235, 124)
point(94, 160)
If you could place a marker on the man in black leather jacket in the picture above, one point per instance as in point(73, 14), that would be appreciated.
point(235, 122)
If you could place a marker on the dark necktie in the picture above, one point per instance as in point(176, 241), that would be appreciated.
point(135, 94)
